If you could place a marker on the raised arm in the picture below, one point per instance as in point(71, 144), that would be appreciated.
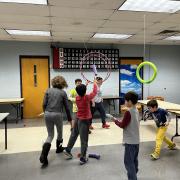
point(93, 93)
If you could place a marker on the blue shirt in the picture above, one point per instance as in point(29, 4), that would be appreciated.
point(160, 117)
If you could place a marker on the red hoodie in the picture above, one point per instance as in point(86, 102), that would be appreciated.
point(83, 105)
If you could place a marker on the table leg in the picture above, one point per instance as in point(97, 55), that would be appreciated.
point(17, 110)
point(5, 123)
point(142, 107)
point(177, 126)
point(20, 111)
point(114, 105)
point(109, 104)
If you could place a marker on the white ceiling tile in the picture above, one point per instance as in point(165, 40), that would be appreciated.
point(23, 19)
point(163, 26)
point(23, 9)
point(80, 13)
point(77, 22)
point(26, 26)
point(173, 18)
point(31, 38)
point(138, 16)
point(147, 38)
point(72, 34)
point(71, 39)
point(126, 24)
point(80, 29)
point(88, 4)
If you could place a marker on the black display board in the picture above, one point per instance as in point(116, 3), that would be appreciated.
point(70, 58)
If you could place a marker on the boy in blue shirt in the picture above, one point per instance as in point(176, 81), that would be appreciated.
point(162, 119)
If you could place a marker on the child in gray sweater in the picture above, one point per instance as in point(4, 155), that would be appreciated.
point(131, 139)
point(54, 100)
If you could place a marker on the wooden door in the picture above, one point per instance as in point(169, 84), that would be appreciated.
point(35, 81)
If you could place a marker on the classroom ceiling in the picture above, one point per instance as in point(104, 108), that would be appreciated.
point(79, 20)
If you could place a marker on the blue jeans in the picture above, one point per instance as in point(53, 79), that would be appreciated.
point(131, 160)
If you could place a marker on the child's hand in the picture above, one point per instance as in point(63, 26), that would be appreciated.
point(87, 82)
point(114, 119)
point(95, 81)
point(111, 117)
point(93, 104)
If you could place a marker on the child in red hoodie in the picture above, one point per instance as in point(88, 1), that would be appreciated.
point(81, 125)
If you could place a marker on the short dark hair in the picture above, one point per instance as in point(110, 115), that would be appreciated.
point(152, 103)
point(131, 96)
point(81, 90)
point(98, 78)
point(78, 80)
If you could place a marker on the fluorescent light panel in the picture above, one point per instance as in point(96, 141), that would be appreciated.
point(28, 33)
point(44, 2)
point(168, 6)
point(173, 38)
point(112, 36)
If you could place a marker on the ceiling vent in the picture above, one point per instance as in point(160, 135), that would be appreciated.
point(168, 33)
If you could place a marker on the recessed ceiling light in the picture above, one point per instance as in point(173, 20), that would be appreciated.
point(168, 6)
point(173, 38)
point(111, 36)
point(28, 33)
point(44, 2)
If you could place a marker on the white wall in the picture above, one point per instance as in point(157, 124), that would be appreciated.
point(166, 58)
point(9, 64)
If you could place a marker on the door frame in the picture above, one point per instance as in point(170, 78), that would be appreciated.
point(20, 66)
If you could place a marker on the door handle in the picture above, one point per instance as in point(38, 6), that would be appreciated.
point(35, 75)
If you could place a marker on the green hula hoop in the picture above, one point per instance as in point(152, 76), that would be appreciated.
point(153, 76)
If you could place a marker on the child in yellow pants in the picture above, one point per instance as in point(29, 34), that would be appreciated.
point(161, 118)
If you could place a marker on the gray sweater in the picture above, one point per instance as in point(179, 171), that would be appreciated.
point(54, 100)
point(131, 132)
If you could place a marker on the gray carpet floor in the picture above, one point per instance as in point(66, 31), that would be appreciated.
point(25, 166)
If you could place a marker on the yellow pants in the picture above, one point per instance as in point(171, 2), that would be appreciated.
point(160, 138)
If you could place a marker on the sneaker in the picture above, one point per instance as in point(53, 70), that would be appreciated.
point(91, 127)
point(83, 160)
point(60, 149)
point(106, 126)
point(172, 147)
point(154, 156)
point(68, 154)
